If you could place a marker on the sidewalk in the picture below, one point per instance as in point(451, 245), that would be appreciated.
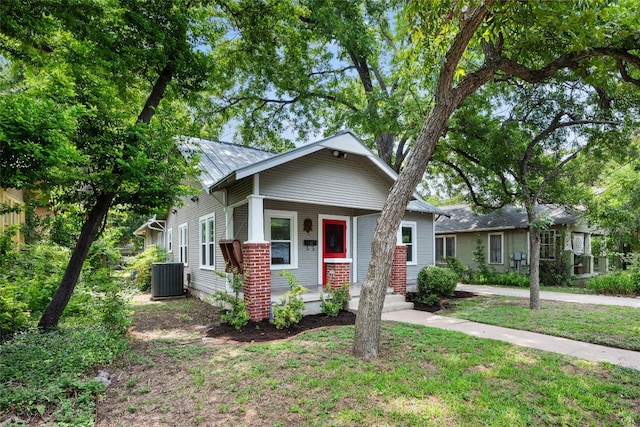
point(581, 350)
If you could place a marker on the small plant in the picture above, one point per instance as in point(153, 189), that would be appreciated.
point(435, 283)
point(291, 305)
point(456, 265)
point(479, 257)
point(233, 309)
point(338, 297)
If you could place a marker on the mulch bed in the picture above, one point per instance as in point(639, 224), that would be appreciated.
point(265, 331)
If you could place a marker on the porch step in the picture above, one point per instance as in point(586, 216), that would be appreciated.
point(392, 302)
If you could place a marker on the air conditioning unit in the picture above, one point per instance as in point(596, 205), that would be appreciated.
point(167, 280)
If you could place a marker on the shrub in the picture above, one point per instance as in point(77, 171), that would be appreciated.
point(233, 309)
point(618, 283)
point(512, 278)
point(434, 283)
point(291, 305)
point(332, 305)
point(142, 266)
point(456, 265)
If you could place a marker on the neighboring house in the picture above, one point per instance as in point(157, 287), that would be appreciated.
point(504, 235)
point(311, 211)
point(11, 203)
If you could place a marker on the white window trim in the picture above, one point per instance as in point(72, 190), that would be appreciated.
point(169, 240)
point(184, 226)
point(293, 216)
point(206, 219)
point(414, 240)
point(501, 248)
point(444, 238)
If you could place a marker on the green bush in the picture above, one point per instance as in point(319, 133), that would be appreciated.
point(512, 279)
point(617, 283)
point(233, 309)
point(554, 272)
point(332, 305)
point(291, 306)
point(435, 283)
point(142, 266)
point(456, 265)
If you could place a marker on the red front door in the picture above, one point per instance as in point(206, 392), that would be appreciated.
point(334, 242)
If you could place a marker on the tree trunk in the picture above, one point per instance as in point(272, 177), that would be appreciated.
point(54, 310)
point(534, 273)
point(368, 319)
point(89, 232)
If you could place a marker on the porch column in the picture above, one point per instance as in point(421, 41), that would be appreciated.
point(399, 270)
point(256, 218)
point(257, 283)
point(257, 261)
point(338, 272)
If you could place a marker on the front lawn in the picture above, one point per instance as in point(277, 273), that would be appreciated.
point(606, 325)
point(424, 376)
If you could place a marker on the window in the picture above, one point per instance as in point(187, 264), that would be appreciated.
point(548, 244)
point(208, 241)
point(280, 230)
point(408, 238)
point(495, 248)
point(445, 247)
point(169, 240)
point(182, 243)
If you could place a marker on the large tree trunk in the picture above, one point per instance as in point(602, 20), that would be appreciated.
point(368, 319)
point(447, 98)
point(54, 310)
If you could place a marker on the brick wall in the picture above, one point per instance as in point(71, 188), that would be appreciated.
point(257, 284)
point(399, 270)
point(338, 274)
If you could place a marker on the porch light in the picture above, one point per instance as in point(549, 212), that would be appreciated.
point(339, 154)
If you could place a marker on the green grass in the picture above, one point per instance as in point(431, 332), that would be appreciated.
point(606, 325)
point(49, 374)
point(423, 376)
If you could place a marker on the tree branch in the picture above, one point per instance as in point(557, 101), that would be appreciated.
point(469, 184)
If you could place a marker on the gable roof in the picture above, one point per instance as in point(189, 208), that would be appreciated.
point(223, 163)
point(463, 219)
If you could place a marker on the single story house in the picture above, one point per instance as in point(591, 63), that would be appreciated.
point(505, 234)
point(311, 211)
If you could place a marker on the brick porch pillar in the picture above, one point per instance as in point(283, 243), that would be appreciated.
point(338, 273)
point(399, 270)
point(257, 283)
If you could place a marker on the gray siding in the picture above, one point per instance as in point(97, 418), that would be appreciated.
point(309, 178)
point(238, 192)
point(240, 223)
point(308, 258)
point(424, 243)
point(203, 280)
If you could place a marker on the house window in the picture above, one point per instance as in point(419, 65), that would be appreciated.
point(445, 247)
point(169, 240)
point(280, 230)
point(408, 238)
point(548, 244)
point(495, 248)
point(182, 243)
point(208, 241)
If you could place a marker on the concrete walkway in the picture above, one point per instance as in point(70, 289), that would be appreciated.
point(579, 349)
